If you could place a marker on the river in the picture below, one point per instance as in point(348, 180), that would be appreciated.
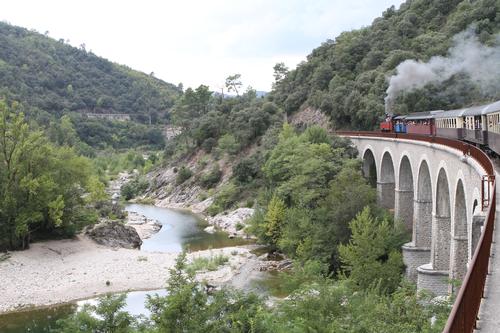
point(180, 230)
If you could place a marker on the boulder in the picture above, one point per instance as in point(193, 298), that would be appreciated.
point(115, 234)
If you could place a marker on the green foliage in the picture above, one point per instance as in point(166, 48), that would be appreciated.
point(107, 316)
point(51, 75)
point(372, 258)
point(299, 168)
point(316, 178)
point(134, 188)
point(44, 189)
point(231, 124)
point(226, 197)
point(210, 179)
point(211, 263)
point(228, 144)
point(274, 220)
point(183, 174)
point(187, 308)
point(246, 169)
point(346, 77)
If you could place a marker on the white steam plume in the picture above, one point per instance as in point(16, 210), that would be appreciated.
point(467, 55)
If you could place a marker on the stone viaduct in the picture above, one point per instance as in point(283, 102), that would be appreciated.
point(435, 190)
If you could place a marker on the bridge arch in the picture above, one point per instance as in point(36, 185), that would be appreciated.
point(386, 182)
point(404, 193)
point(459, 253)
point(422, 229)
point(370, 167)
point(441, 226)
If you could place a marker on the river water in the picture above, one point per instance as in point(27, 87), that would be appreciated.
point(180, 230)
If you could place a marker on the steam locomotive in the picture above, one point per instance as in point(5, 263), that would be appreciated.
point(479, 125)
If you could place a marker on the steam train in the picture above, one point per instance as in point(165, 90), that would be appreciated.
point(479, 125)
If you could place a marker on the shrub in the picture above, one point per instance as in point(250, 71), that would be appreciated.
point(183, 175)
point(211, 178)
point(228, 144)
point(203, 263)
point(245, 170)
point(133, 188)
point(208, 145)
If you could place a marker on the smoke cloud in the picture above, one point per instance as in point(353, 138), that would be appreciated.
point(467, 55)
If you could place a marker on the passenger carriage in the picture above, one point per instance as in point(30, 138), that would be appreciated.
point(492, 124)
point(421, 122)
point(450, 124)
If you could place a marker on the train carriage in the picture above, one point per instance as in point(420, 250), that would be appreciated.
point(491, 113)
point(475, 125)
point(479, 125)
point(421, 122)
point(450, 124)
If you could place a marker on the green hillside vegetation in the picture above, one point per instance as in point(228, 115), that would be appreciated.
point(50, 79)
point(346, 77)
point(55, 77)
point(46, 190)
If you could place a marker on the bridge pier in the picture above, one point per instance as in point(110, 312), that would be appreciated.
point(414, 257)
point(433, 280)
point(403, 207)
point(434, 275)
point(385, 194)
point(477, 227)
point(459, 257)
point(440, 248)
point(418, 251)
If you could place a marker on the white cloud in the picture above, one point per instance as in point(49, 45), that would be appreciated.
point(197, 42)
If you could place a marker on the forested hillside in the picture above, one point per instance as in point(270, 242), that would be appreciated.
point(347, 77)
point(53, 76)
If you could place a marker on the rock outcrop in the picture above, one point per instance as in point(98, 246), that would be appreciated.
point(233, 222)
point(115, 234)
point(145, 227)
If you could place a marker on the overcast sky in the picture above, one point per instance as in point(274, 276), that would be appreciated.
point(197, 42)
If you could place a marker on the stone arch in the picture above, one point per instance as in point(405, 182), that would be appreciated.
point(405, 194)
point(386, 184)
point(369, 167)
point(459, 253)
point(441, 226)
point(422, 210)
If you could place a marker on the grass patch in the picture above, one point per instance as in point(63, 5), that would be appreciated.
point(146, 201)
point(207, 263)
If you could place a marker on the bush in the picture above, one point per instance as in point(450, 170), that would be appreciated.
point(214, 209)
point(228, 144)
point(133, 188)
point(246, 170)
point(224, 199)
point(183, 175)
point(208, 145)
point(203, 263)
point(211, 178)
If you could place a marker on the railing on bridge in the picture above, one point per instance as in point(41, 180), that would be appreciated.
point(464, 313)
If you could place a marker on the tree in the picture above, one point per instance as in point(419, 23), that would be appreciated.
point(372, 257)
point(275, 218)
point(233, 83)
point(43, 188)
point(280, 72)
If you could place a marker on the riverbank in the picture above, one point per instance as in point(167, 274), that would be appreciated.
point(61, 271)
